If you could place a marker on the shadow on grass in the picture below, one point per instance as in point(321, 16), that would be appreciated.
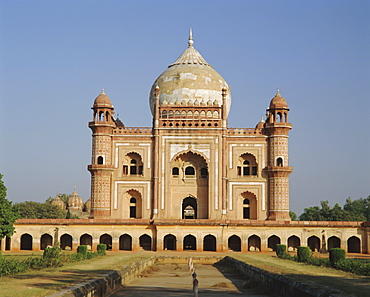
point(353, 286)
point(242, 282)
point(60, 280)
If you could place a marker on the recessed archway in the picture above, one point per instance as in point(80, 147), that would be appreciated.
point(125, 242)
point(293, 243)
point(314, 243)
point(107, 240)
point(45, 241)
point(66, 242)
point(272, 242)
point(234, 243)
point(209, 243)
point(169, 242)
point(26, 242)
point(333, 242)
point(254, 243)
point(145, 242)
point(189, 208)
point(86, 239)
point(190, 242)
point(354, 245)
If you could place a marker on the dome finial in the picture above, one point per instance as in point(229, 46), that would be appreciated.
point(278, 91)
point(102, 91)
point(190, 42)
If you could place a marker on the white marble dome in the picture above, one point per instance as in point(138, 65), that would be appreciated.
point(188, 79)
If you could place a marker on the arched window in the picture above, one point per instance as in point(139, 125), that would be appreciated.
point(189, 170)
point(247, 165)
point(248, 206)
point(133, 207)
point(100, 160)
point(133, 165)
point(175, 171)
point(246, 209)
point(164, 114)
point(279, 162)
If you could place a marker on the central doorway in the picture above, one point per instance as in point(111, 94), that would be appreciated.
point(189, 208)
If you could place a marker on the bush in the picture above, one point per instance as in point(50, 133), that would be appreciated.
point(52, 257)
point(303, 253)
point(101, 249)
point(357, 266)
point(82, 249)
point(336, 255)
point(280, 250)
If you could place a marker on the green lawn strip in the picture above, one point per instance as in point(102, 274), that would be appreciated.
point(46, 281)
point(344, 281)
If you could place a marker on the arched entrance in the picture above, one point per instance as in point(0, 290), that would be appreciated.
point(293, 243)
point(170, 242)
point(66, 242)
point(26, 242)
point(190, 243)
point(145, 242)
point(272, 242)
point(45, 241)
point(234, 243)
point(314, 243)
point(107, 240)
point(333, 242)
point(353, 245)
point(209, 243)
point(254, 243)
point(189, 208)
point(125, 242)
point(86, 239)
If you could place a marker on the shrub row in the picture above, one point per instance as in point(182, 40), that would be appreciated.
point(337, 259)
point(52, 257)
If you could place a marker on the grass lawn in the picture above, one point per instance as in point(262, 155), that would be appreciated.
point(46, 281)
point(344, 281)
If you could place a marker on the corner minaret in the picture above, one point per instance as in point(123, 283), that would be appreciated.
point(278, 169)
point(101, 167)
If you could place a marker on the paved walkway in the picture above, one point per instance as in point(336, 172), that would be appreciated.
point(174, 280)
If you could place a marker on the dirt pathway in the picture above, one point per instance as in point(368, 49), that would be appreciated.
point(175, 280)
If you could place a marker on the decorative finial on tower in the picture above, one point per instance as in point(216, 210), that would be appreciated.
point(278, 91)
point(190, 42)
point(224, 92)
point(74, 189)
point(102, 91)
point(156, 92)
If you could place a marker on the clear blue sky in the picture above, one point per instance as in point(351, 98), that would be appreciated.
point(55, 56)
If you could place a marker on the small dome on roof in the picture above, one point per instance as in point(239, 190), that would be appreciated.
point(87, 206)
point(278, 102)
point(58, 201)
point(75, 202)
point(261, 124)
point(102, 100)
point(119, 123)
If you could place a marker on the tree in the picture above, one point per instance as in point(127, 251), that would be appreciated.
point(8, 213)
point(293, 215)
point(357, 210)
point(36, 210)
point(63, 197)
